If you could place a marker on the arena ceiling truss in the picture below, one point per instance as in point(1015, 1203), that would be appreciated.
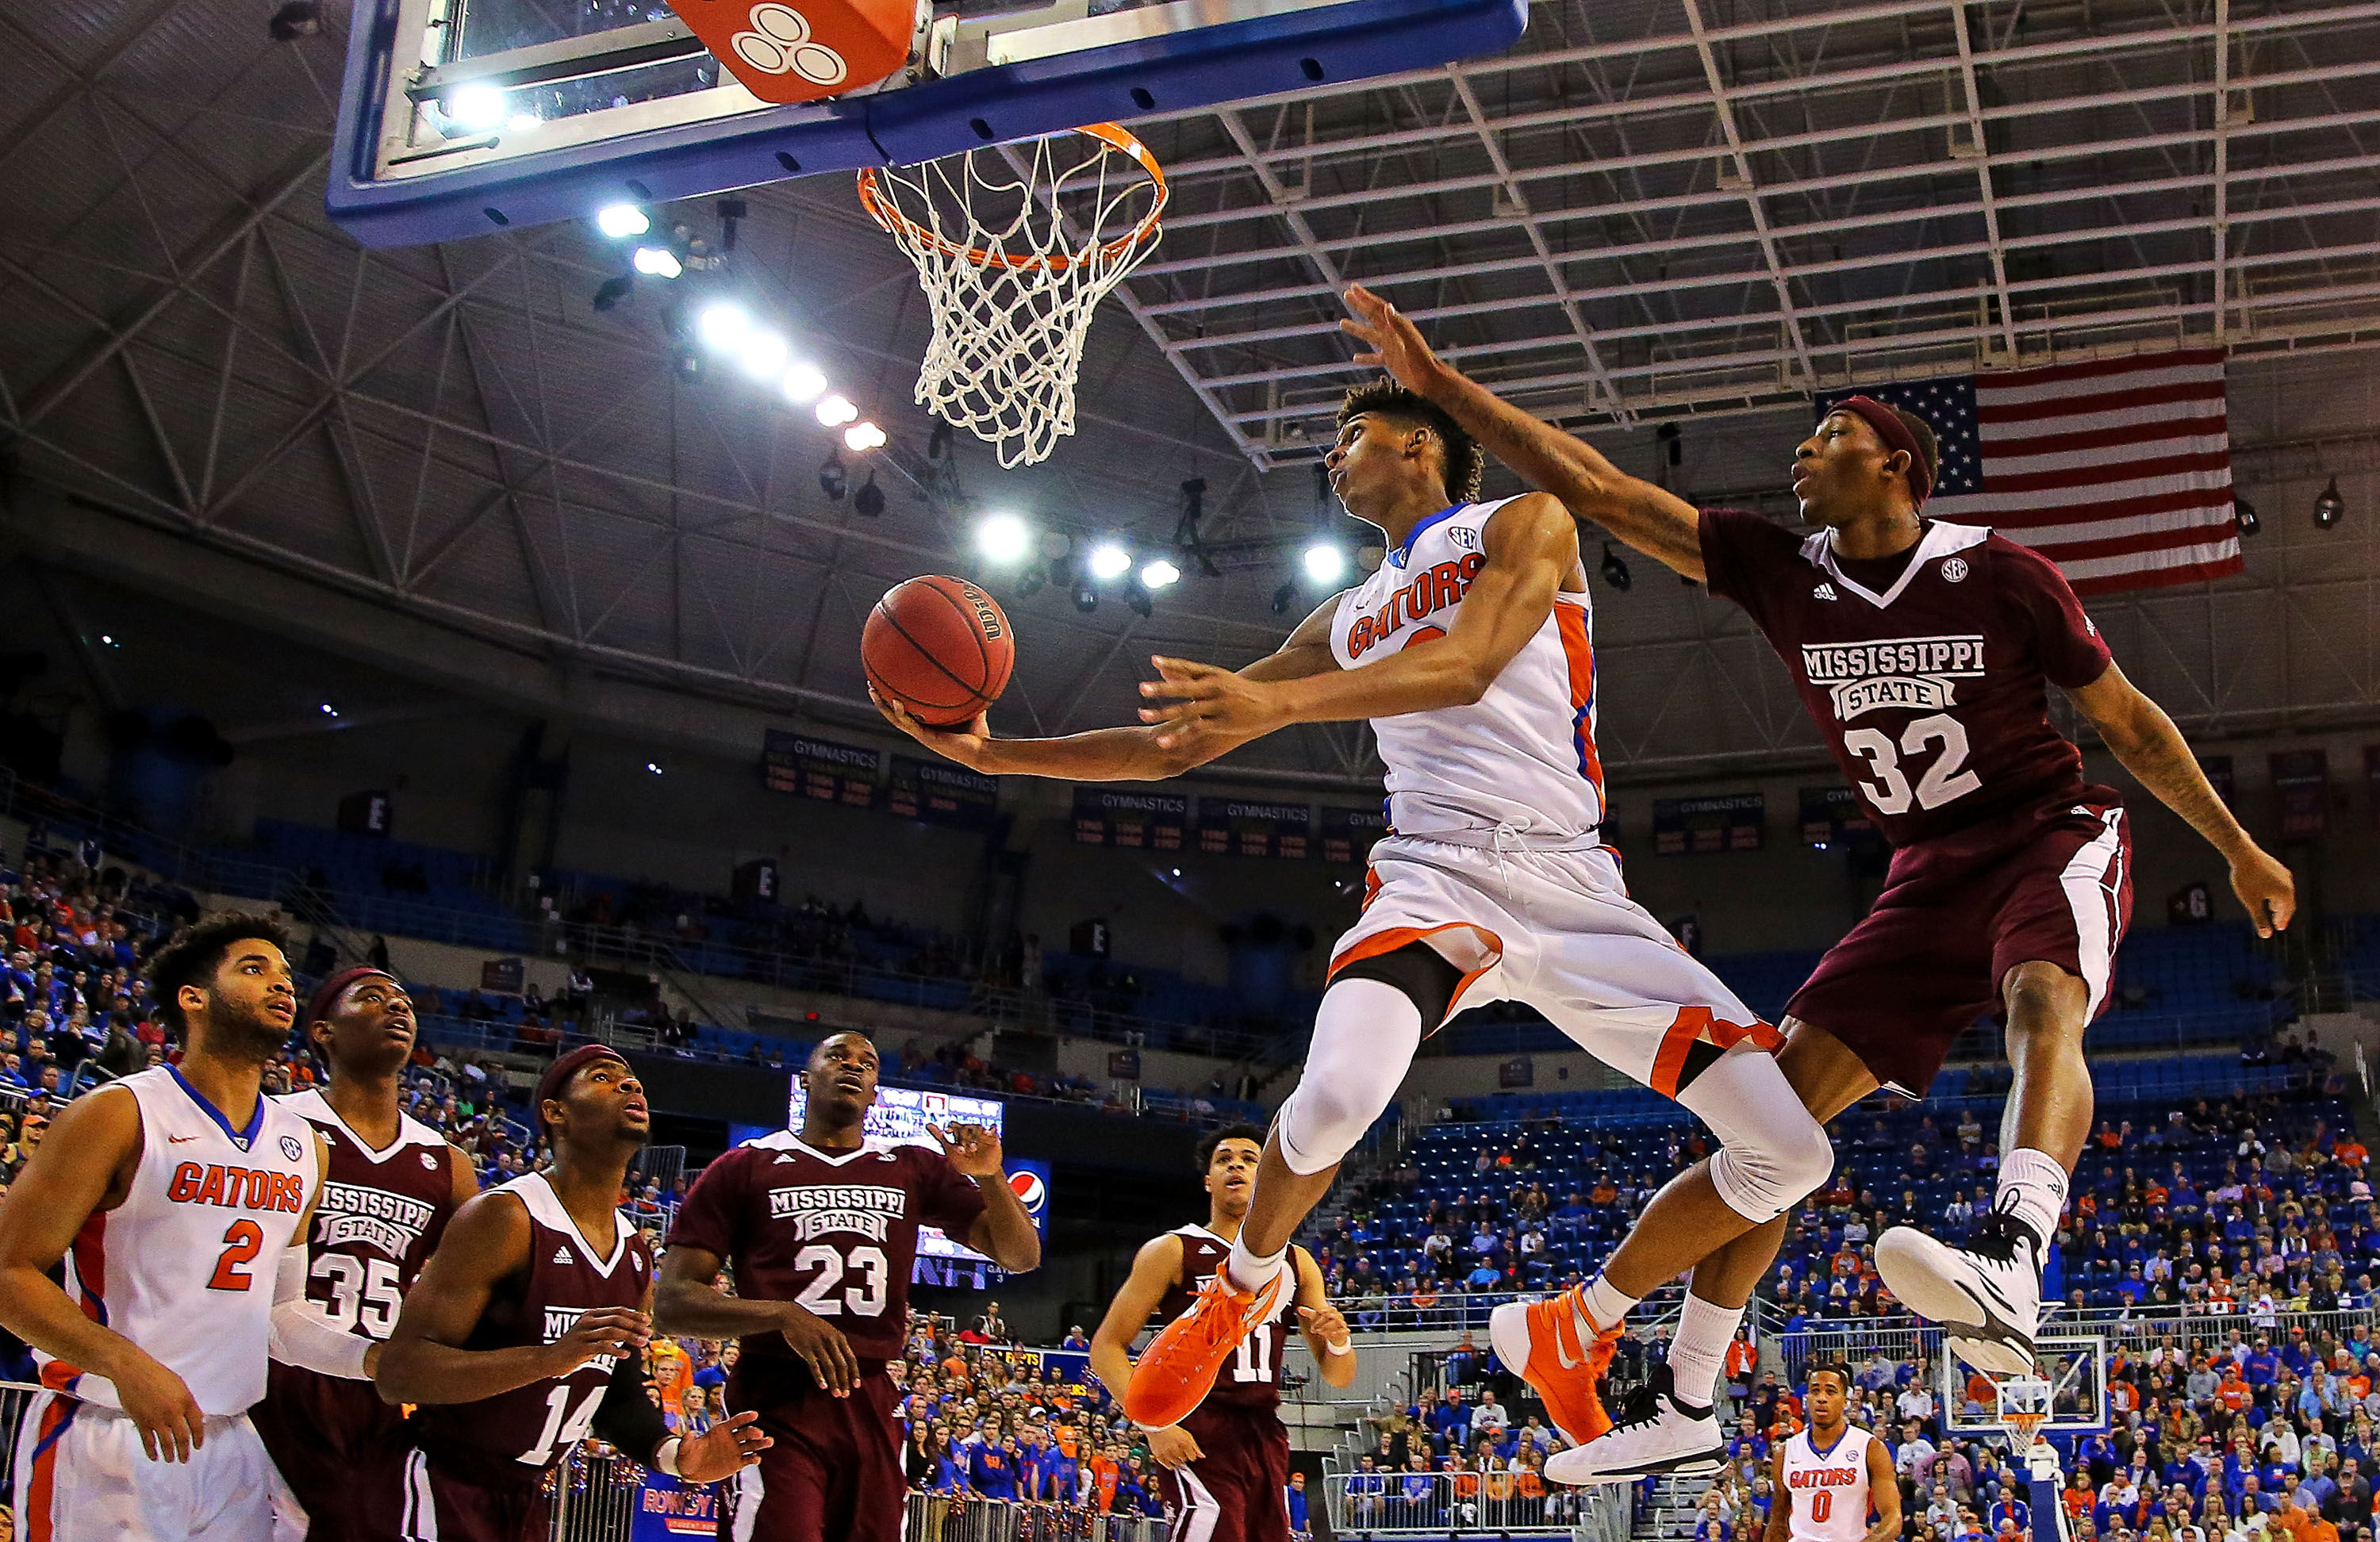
point(1653, 211)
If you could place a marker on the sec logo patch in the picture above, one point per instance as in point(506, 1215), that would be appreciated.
point(1955, 571)
point(290, 1149)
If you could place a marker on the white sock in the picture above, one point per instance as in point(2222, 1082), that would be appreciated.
point(1606, 1302)
point(1250, 1272)
point(2034, 1185)
point(1698, 1352)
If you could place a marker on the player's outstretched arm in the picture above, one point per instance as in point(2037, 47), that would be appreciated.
point(87, 1165)
point(1530, 546)
point(1004, 1233)
point(424, 1361)
point(2145, 743)
point(1328, 1338)
point(300, 1336)
point(1156, 1269)
point(1652, 519)
point(1883, 1490)
point(1118, 754)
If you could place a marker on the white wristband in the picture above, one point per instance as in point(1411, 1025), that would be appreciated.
point(665, 1457)
point(1344, 1346)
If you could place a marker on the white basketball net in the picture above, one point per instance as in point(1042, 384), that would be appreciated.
point(1016, 245)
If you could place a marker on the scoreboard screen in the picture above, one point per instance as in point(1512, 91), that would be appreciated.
point(901, 1114)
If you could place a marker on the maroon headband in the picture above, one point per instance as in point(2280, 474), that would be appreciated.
point(326, 995)
point(1896, 436)
point(556, 1079)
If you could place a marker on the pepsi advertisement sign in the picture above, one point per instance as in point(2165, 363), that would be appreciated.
point(901, 1114)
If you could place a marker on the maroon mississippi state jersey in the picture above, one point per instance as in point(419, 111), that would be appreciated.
point(515, 1437)
point(833, 1232)
point(1250, 1377)
point(380, 1214)
point(1930, 677)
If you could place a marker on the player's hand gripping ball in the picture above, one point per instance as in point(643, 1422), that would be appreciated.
point(938, 648)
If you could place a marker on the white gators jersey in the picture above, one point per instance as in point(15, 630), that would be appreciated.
point(184, 1267)
point(1828, 1489)
point(1522, 755)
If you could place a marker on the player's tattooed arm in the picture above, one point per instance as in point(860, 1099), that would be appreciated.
point(1531, 548)
point(1328, 1338)
point(2145, 743)
point(1118, 754)
point(688, 1300)
point(1883, 1484)
point(1652, 519)
point(86, 1165)
point(486, 1243)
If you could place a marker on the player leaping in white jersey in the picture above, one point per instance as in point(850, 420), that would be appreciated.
point(1469, 651)
point(1827, 1478)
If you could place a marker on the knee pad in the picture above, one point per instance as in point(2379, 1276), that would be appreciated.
point(1365, 1037)
point(1763, 1177)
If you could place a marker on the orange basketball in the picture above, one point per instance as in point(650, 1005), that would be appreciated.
point(940, 648)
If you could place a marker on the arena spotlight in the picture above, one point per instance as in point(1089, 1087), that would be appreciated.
point(328, 711)
point(1325, 563)
point(835, 411)
point(1615, 571)
point(613, 290)
point(804, 382)
point(659, 261)
point(762, 353)
point(1004, 539)
point(620, 221)
point(723, 324)
point(477, 107)
point(868, 502)
point(2330, 508)
point(2245, 512)
point(1110, 561)
point(1086, 598)
point(654, 767)
point(832, 478)
point(864, 437)
point(1158, 574)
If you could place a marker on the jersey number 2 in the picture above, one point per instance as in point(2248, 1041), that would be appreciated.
point(241, 1244)
point(1946, 779)
point(865, 1299)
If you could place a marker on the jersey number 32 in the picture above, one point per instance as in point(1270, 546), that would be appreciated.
point(1946, 778)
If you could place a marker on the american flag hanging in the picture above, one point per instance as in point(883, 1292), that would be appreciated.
point(2118, 469)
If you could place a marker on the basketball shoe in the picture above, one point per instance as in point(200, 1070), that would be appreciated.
point(1178, 1369)
point(1561, 1352)
point(1657, 1432)
point(1986, 1295)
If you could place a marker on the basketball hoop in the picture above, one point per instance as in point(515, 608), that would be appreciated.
point(2025, 1407)
point(1016, 245)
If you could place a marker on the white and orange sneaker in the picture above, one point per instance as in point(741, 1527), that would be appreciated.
point(1178, 1369)
point(1561, 1352)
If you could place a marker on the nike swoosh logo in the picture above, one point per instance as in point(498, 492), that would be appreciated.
point(1561, 1351)
point(177, 1140)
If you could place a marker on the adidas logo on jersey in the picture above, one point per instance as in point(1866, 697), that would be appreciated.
point(782, 1157)
point(1824, 591)
point(562, 1255)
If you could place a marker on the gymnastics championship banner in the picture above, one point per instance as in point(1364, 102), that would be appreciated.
point(819, 769)
point(1834, 817)
point(1730, 821)
point(1348, 833)
point(1143, 821)
point(1237, 827)
point(935, 791)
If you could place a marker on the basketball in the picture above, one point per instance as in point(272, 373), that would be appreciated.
point(940, 648)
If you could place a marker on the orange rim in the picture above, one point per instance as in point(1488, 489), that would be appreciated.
point(1112, 135)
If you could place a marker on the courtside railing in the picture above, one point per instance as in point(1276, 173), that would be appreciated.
point(1498, 1503)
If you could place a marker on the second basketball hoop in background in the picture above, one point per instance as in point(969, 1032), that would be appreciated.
point(1015, 245)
